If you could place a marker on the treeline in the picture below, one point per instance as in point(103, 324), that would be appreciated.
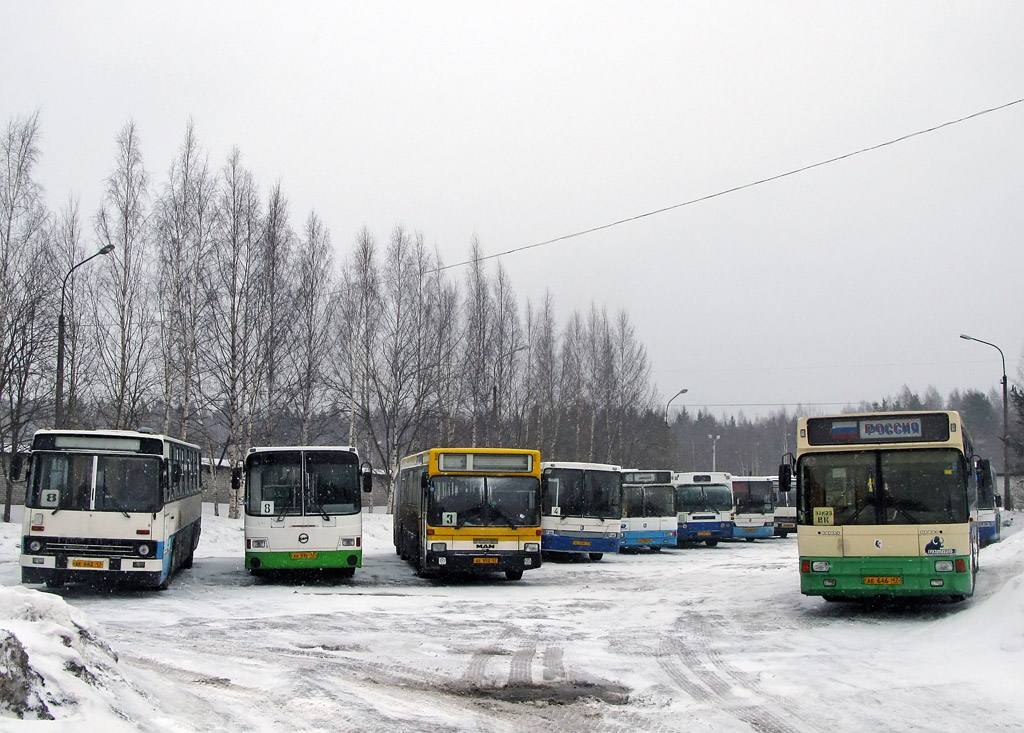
point(754, 447)
point(214, 319)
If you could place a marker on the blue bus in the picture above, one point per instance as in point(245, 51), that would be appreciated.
point(754, 507)
point(989, 504)
point(703, 507)
point(648, 511)
point(581, 508)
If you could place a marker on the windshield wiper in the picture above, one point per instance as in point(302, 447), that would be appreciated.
point(900, 510)
point(116, 504)
point(319, 508)
point(466, 515)
point(506, 516)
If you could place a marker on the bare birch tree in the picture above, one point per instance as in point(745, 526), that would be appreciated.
point(122, 309)
point(478, 355)
point(231, 371)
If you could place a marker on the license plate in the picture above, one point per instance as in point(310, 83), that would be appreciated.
point(750, 531)
point(92, 564)
point(581, 542)
point(485, 560)
point(883, 580)
point(644, 540)
point(703, 534)
point(304, 556)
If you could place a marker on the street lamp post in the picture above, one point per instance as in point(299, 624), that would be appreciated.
point(1007, 498)
point(680, 392)
point(714, 450)
point(59, 412)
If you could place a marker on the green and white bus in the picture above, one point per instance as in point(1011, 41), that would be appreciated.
point(303, 509)
point(887, 505)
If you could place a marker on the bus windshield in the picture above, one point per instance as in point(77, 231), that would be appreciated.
point(91, 482)
point(703, 498)
point(483, 501)
point(274, 483)
point(926, 486)
point(584, 493)
point(648, 501)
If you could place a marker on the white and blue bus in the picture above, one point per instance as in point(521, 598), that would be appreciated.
point(303, 509)
point(581, 508)
point(754, 507)
point(989, 504)
point(108, 506)
point(648, 511)
point(703, 507)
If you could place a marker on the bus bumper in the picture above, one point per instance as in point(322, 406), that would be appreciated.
point(869, 577)
point(692, 532)
point(647, 540)
point(59, 569)
point(454, 561)
point(757, 533)
point(562, 543)
point(303, 560)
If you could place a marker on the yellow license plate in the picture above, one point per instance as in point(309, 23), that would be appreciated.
point(751, 530)
point(581, 542)
point(883, 580)
point(645, 539)
point(703, 534)
point(304, 556)
point(485, 560)
point(93, 564)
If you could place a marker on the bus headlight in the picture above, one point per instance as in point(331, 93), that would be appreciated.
point(35, 546)
point(257, 544)
point(438, 546)
point(532, 547)
point(348, 542)
point(820, 566)
point(943, 566)
point(144, 550)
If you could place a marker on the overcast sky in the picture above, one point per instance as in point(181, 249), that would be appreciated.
point(522, 122)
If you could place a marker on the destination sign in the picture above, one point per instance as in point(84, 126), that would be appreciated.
point(846, 430)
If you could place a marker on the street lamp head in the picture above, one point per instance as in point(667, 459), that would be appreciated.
point(106, 249)
point(965, 336)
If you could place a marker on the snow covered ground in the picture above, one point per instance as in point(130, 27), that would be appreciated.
point(706, 639)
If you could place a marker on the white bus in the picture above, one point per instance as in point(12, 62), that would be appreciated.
point(581, 508)
point(648, 510)
point(110, 505)
point(754, 498)
point(703, 507)
point(303, 509)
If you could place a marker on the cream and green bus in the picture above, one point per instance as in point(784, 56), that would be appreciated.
point(469, 510)
point(886, 505)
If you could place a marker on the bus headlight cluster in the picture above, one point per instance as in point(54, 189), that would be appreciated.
point(532, 547)
point(35, 546)
point(820, 566)
point(438, 546)
point(943, 566)
point(144, 550)
point(257, 544)
point(348, 542)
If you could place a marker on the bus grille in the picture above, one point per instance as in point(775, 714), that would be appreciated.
point(85, 549)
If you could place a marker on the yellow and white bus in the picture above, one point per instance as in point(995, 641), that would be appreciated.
point(887, 505)
point(469, 510)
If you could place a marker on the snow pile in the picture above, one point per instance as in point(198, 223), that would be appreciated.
point(54, 665)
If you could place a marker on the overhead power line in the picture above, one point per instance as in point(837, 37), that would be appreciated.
point(734, 189)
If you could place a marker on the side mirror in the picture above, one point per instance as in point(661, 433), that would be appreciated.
point(785, 476)
point(999, 500)
point(424, 480)
point(366, 477)
point(17, 462)
point(984, 467)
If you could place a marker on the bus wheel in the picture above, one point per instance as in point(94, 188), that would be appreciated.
point(711, 543)
point(749, 539)
point(346, 572)
point(832, 599)
point(514, 574)
point(54, 582)
point(596, 556)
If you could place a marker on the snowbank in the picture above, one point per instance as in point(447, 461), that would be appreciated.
point(54, 665)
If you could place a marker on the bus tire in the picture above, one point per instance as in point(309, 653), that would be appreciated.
point(596, 556)
point(750, 539)
point(346, 572)
point(514, 574)
point(54, 582)
point(711, 543)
